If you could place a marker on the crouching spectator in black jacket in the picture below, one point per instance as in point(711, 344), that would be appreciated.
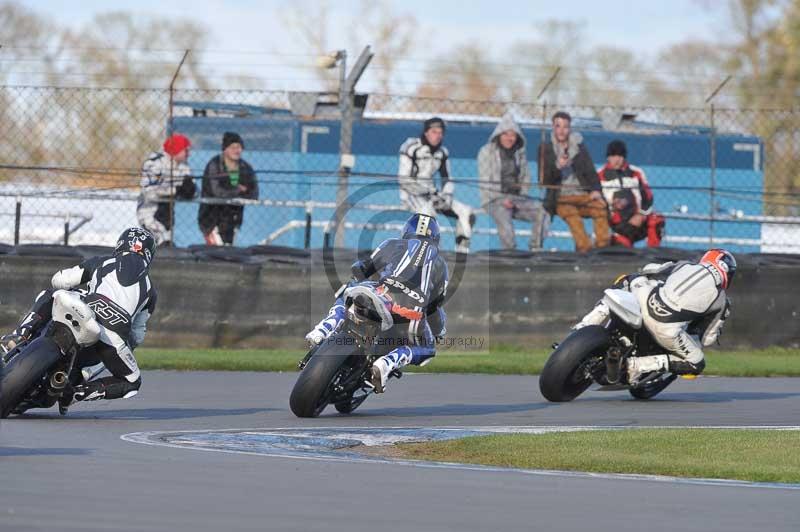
point(630, 199)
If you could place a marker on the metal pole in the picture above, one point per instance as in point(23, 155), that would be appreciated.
point(307, 239)
point(549, 81)
point(347, 87)
point(17, 220)
point(172, 163)
point(719, 88)
point(712, 197)
point(541, 144)
point(345, 143)
point(66, 230)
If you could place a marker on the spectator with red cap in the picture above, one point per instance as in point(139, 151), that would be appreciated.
point(166, 176)
point(630, 199)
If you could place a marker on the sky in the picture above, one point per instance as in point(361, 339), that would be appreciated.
point(253, 26)
point(256, 25)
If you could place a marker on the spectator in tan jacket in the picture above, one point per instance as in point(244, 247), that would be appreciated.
point(574, 190)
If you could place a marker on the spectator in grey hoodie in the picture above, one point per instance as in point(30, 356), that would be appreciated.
point(505, 181)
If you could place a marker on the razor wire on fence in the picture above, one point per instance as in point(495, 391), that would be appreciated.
point(72, 162)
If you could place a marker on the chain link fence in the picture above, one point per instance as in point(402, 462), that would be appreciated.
point(72, 159)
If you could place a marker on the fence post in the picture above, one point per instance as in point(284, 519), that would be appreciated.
point(345, 139)
point(712, 197)
point(66, 230)
point(307, 236)
point(712, 191)
point(540, 155)
point(172, 163)
point(17, 220)
point(347, 87)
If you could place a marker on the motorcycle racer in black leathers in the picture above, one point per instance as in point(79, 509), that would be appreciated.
point(410, 285)
point(122, 297)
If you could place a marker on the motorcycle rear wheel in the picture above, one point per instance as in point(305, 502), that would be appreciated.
point(23, 370)
point(313, 390)
point(559, 380)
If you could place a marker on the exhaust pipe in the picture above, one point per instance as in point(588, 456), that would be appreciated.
point(58, 381)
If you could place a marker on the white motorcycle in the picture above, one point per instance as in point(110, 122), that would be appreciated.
point(597, 353)
point(35, 374)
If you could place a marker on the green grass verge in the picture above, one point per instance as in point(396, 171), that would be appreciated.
point(502, 361)
point(752, 455)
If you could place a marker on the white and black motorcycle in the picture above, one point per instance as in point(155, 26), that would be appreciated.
point(598, 354)
point(35, 374)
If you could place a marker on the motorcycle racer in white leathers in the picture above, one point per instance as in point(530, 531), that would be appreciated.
point(675, 297)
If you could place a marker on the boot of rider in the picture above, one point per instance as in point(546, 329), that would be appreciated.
point(40, 313)
point(107, 388)
point(597, 316)
point(24, 331)
point(327, 326)
point(639, 367)
point(384, 366)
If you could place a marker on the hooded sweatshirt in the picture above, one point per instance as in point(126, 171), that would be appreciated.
point(496, 165)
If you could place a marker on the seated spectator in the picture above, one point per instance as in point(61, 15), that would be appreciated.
point(630, 199)
point(573, 192)
point(226, 176)
point(161, 172)
point(420, 158)
point(505, 180)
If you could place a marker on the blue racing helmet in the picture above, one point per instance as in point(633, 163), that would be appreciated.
point(422, 226)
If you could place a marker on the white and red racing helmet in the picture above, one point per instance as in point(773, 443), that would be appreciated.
point(722, 265)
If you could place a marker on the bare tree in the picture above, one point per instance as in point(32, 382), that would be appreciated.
point(391, 34)
point(93, 135)
point(692, 70)
point(308, 21)
point(465, 74)
point(767, 57)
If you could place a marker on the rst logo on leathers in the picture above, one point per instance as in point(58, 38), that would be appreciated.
point(107, 313)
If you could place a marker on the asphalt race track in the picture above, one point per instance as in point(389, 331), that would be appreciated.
point(76, 473)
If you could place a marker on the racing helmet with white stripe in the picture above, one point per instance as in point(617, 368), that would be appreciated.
point(723, 263)
point(137, 240)
point(422, 226)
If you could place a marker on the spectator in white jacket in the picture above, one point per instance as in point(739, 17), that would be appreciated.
point(166, 176)
point(420, 158)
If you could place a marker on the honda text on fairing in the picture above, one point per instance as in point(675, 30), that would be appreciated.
point(647, 330)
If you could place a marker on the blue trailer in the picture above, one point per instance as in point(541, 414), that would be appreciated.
point(297, 160)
